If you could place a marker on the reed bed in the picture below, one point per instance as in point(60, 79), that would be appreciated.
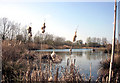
point(28, 69)
point(104, 70)
point(22, 65)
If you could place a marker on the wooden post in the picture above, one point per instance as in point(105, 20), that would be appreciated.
point(49, 65)
point(113, 43)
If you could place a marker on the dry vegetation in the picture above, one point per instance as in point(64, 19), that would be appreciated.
point(104, 70)
point(20, 64)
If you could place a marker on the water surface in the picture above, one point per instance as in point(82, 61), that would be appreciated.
point(83, 57)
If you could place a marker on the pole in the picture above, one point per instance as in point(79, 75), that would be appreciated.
point(113, 42)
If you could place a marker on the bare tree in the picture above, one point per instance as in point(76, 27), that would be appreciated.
point(94, 39)
point(79, 42)
point(38, 38)
point(9, 29)
point(98, 40)
point(48, 39)
point(89, 40)
point(104, 41)
point(24, 33)
point(59, 40)
point(5, 27)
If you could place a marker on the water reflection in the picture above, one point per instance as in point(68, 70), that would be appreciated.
point(84, 58)
point(99, 55)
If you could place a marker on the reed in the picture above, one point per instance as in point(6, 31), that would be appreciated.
point(30, 67)
point(50, 74)
point(104, 69)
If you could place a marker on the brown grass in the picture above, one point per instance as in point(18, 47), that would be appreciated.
point(104, 69)
point(20, 64)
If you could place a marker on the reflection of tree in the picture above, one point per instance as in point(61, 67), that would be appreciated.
point(88, 54)
point(95, 55)
point(62, 55)
point(78, 54)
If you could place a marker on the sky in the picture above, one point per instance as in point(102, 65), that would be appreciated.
point(90, 19)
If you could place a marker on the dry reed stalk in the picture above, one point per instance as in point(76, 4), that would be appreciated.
point(71, 68)
point(107, 79)
point(79, 77)
point(40, 63)
point(46, 73)
point(103, 79)
point(36, 76)
point(74, 76)
point(74, 38)
point(50, 79)
point(112, 74)
point(70, 50)
point(38, 73)
point(27, 75)
point(49, 63)
point(32, 75)
point(23, 77)
point(50, 69)
point(66, 71)
point(63, 77)
point(117, 78)
point(68, 61)
point(56, 76)
point(90, 72)
point(74, 61)
point(20, 75)
point(47, 77)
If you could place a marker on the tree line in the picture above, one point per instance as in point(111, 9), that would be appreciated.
point(11, 30)
point(96, 42)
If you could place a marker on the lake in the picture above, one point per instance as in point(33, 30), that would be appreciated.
point(84, 57)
